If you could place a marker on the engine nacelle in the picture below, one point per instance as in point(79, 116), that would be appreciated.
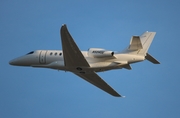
point(99, 53)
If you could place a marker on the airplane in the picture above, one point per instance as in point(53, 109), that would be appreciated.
point(85, 64)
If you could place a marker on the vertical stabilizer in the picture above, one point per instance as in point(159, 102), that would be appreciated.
point(135, 43)
point(146, 40)
point(140, 44)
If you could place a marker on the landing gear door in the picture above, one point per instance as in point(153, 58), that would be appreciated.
point(42, 57)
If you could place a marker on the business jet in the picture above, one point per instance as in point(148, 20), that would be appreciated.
point(85, 64)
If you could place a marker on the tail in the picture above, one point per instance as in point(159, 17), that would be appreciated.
point(140, 44)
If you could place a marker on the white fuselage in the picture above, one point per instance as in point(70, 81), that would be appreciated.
point(85, 64)
point(54, 59)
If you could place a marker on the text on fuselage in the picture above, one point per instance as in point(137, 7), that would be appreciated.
point(98, 52)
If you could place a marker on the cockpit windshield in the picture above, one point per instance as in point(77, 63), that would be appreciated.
point(30, 52)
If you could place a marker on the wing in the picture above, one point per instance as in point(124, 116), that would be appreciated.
point(73, 58)
point(72, 54)
point(94, 79)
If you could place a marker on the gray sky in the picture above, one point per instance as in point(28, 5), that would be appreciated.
point(150, 90)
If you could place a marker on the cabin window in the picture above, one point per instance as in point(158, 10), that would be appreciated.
point(51, 53)
point(55, 53)
point(60, 54)
point(30, 52)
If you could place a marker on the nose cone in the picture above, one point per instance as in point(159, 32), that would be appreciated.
point(15, 62)
point(21, 61)
point(11, 62)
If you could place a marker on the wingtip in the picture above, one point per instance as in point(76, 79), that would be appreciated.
point(116, 95)
point(63, 25)
point(119, 96)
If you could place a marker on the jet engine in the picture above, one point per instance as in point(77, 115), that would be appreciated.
point(99, 53)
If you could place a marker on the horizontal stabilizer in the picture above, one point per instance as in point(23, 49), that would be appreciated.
point(127, 66)
point(135, 43)
point(151, 59)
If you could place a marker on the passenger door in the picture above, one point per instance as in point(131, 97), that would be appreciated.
point(42, 57)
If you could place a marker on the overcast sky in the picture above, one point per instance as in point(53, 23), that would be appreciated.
point(152, 91)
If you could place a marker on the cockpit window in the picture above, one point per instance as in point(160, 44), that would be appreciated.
point(30, 52)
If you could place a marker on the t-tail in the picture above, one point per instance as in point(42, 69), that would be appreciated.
point(140, 44)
